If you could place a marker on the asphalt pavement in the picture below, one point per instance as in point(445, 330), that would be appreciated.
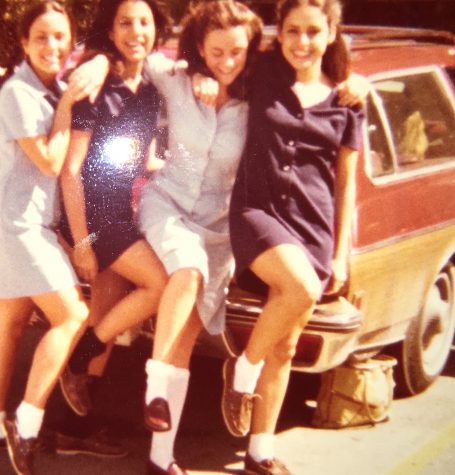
point(419, 439)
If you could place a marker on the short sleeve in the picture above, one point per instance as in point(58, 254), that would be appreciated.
point(160, 70)
point(84, 115)
point(353, 130)
point(23, 112)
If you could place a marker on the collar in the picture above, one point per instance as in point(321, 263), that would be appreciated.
point(26, 73)
point(116, 82)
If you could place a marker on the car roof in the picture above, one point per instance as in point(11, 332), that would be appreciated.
point(381, 49)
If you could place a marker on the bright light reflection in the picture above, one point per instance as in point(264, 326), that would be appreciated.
point(120, 151)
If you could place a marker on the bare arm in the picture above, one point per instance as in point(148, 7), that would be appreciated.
point(73, 197)
point(88, 78)
point(48, 152)
point(345, 193)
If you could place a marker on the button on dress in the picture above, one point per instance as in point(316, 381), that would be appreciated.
point(284, 192)
point(31, 260)
point(184, 208)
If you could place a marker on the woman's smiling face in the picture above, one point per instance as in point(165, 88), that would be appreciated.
point(225, 53)
point(304, 37)
point(48, 44)
point(133, 31)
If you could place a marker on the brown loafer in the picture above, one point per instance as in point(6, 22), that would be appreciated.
point(173, 469)
point(236, 407)
point(96, 445)
point(21, 451)
point(265, 467)
point(75, 389)
point(157, 416)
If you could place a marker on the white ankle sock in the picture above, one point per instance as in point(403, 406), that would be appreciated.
point(162, 449)
point(29, 420)
point(158, 375)
point(246, 374)
point(261, 447)
point(2, 418)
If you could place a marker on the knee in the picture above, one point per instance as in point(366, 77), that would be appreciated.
point(76, 319)
point(189, 279)
point(285, 350)
point(300, 295)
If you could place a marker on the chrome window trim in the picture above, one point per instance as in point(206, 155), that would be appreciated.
point(397, 174)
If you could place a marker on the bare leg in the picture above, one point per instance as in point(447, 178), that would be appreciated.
point(108, 289)
point(272, 385)
point(139, 265)
point(177, 322)
point(14, 315)
point(294, 289)
point(67, 313)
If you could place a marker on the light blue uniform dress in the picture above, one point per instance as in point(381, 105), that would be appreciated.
point(31, 260)
point(183, 210)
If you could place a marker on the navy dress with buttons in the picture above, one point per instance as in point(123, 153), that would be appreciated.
point(284, 192)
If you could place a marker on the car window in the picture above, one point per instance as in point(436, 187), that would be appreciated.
point(411, 123)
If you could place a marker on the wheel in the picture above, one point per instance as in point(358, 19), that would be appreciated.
point(427, 345)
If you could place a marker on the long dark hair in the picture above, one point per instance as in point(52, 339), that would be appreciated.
point(33, 11)
point(335, 62)
point(204, 17)
point(98, 36)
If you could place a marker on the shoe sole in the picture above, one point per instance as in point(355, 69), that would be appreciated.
point(70, 452)
point(10, 451)
point(233, 431)
point(152, 428)
point(69, 402)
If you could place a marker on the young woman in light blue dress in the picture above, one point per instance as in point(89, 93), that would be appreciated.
point(35, 118)
point(183, 212)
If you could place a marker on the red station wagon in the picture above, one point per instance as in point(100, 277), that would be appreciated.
point(402, 266)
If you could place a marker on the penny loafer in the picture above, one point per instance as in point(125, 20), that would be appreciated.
point(265, 467)
point(236, 407)
point(21, 451)
point(157, 416)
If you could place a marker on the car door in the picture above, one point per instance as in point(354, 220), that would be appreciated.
point(405, 223)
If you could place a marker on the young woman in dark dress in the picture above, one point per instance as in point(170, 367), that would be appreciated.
point(291, 210)
point(111, 143)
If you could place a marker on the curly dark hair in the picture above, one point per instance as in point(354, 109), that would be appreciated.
point(202, 18)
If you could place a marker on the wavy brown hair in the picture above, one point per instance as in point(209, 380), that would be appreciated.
point(335, 62)
point(206, 16)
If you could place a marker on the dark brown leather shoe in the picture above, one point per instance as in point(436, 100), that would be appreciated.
point(20, 450)
point(236, 407)
point(173, 469)
point(265, 467)
point(75, 389)
point(157, 416)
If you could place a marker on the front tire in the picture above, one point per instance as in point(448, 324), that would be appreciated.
point(427, 345)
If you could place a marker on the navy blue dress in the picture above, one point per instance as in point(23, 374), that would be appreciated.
point(123, 125)
point(284, 192)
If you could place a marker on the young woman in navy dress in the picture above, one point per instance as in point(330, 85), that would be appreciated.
point(291, 210)
point(111, 143)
